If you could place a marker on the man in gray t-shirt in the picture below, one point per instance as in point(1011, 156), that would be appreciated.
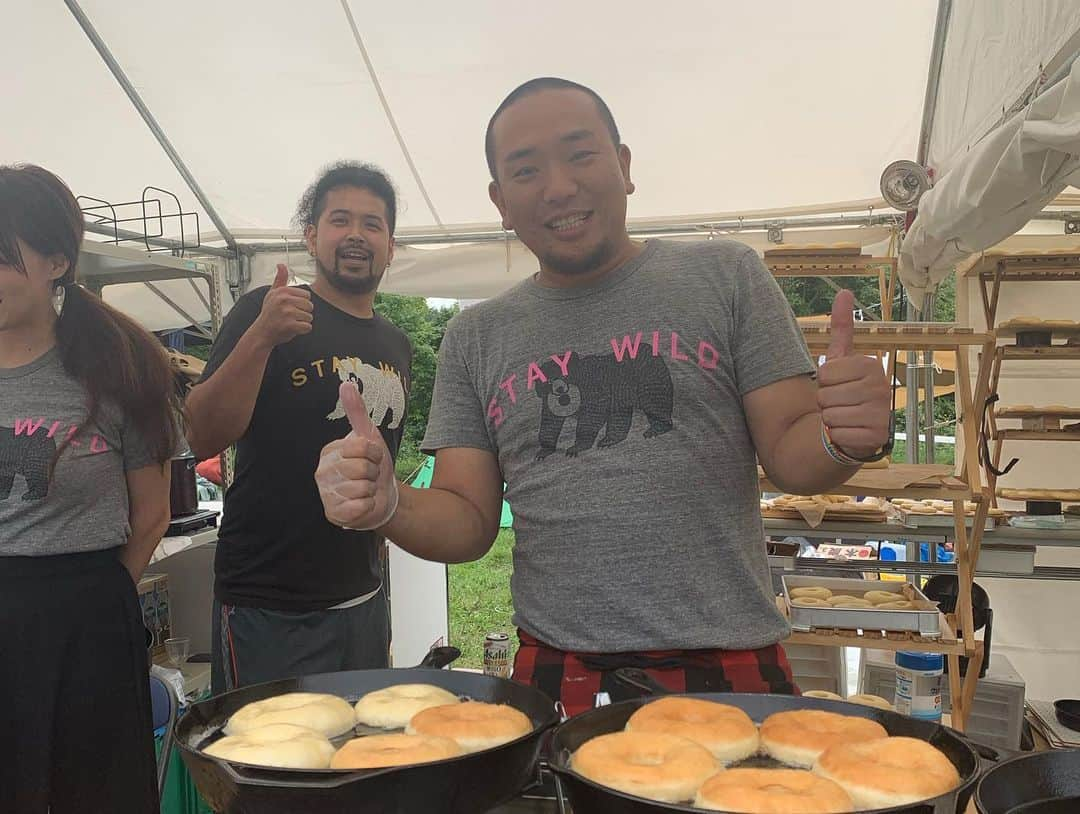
point(625, 393)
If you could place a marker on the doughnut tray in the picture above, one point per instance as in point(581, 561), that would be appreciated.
point(924, 619)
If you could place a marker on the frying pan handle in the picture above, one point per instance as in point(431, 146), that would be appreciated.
point(639, 680)
point(986, 752)
point(439, 657)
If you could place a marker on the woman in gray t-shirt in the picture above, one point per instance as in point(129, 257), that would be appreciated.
point(87, 427)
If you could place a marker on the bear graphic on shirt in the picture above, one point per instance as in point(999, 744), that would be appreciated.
point(27, 455)
point(603, 392)
point(383, 393)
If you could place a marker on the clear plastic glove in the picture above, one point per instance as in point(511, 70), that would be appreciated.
point(356, 474)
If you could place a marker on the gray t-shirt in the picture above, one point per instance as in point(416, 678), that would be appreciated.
point(84, 506)
point(616, 414)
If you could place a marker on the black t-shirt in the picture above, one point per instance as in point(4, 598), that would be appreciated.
point(276, 549)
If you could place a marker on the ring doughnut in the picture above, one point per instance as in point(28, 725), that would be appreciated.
point(393, 707)
point(772, 791)
point(797, 737)
point(850, 602)
point(889, 772)
point(328, 714)
point(396, 749)
point(281, 746)
point(877, 597)
point(660, 767)
point(810, 602)
point(902, 604)
point(868, 700)
point(475, 725)
point(726, 731)
point(828, 696)
point(816, 593)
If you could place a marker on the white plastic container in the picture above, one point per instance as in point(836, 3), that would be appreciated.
point(918, 685)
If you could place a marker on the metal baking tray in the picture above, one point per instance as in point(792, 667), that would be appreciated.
point(924, 622)
point(913, 520)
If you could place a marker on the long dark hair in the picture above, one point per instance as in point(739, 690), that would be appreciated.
point(109, 354)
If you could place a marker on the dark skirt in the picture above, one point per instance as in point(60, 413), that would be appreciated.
point(76, 731)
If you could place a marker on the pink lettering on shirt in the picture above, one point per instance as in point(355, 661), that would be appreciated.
point(624, 347)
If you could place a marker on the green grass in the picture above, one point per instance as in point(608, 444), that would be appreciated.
point(480, 601)
point(943, 453)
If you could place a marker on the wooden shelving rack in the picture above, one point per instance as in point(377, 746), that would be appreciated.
point(992, 269)
point(839, 265)
point(928, 481)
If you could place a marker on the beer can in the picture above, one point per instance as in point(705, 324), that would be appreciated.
point(497, 655)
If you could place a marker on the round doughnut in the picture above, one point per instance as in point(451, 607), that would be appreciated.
point(810, 602)
point(850, 602)
point(901, 604)
point(890, 772)
point(660, 767)
point(328, 714)
point(393, 707)
point(726, 731)
point(475, 725)
point(396, 749)
point(282, 746)
point(797, 737)
point(877, 597)
point(816, 593)
point(772, 791)
point(868, 700)
point(829, 696)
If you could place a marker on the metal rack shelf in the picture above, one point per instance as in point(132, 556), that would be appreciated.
point(854, 567)
point(104, 264)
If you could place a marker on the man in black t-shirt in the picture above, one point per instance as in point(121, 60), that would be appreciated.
point(294, 594)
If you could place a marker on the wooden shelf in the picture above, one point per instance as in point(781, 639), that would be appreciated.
point(1052, 353)
point(889, 483)
point(1036, 435)
point(1023, 267)
point(900, 335)
point(826, 266)
point(877, 640)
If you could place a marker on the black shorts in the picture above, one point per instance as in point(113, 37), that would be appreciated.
point(253, 645)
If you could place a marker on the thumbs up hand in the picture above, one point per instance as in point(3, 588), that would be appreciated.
point(854, 394)
point(355, 475)
point(286, 311)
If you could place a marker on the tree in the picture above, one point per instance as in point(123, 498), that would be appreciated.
point(425, 327)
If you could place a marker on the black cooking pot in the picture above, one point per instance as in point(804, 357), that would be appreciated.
point(469, 784)
point(183, 493)
point(1039, 783)
point(587, 797)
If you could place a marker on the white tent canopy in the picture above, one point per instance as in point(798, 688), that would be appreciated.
point(728, 107)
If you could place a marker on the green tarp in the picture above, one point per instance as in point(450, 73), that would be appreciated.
point(422, 480)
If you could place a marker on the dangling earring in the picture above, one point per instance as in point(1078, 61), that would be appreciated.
point(59, 295)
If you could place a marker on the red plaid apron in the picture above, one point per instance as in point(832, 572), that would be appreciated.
point(574, 678)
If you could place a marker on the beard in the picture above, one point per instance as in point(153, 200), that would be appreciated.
point(573, 266)
point(350, 282)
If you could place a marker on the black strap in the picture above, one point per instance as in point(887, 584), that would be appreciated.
point(984, 448)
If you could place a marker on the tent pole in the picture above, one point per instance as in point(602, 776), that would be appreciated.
point(148, 117)
point(933, 79)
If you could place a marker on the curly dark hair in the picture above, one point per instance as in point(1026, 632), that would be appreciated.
point(346, 174)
